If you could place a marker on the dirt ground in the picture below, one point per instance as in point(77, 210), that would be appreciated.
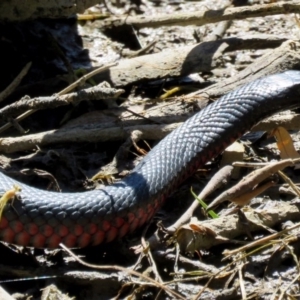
point(162, 62)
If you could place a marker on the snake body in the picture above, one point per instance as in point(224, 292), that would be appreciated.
point(44, 219)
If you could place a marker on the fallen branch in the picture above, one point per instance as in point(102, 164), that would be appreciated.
point(181, 61)
point(285, 57)
point(99, 92)
point(77, 135)
point(69, 88)
point(248, 188)
point(101, 132)
point(203, 17)
point(107, 125)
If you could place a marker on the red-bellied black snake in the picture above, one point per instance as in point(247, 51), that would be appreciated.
point(44, 219)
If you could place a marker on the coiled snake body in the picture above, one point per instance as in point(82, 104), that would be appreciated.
point(43, 219)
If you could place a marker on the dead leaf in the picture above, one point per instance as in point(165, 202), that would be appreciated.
point(194, 236)
point(201, 229)
point(285, 143)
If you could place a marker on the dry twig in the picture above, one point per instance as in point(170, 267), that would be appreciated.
point(4, 94)
point(122, 269)
point(79, 82)
point(99, 92)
